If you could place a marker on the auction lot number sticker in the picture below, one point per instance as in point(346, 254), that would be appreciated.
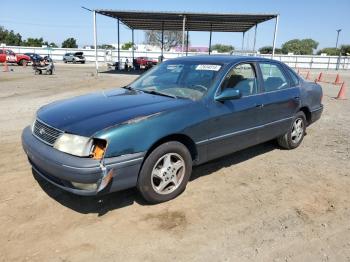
point(208, 67)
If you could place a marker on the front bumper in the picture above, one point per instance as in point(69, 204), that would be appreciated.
point(62, 170)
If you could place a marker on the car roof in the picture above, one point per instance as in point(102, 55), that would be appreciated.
point(224, 59)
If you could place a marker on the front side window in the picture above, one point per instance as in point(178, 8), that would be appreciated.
point(181, 79)
point(273, 77)
point(243, 78)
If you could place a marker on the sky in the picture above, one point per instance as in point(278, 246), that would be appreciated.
point(58, 20)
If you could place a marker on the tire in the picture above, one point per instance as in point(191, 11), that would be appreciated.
point(290, 140)
point(172, 162)
point(21, 62)
point(49, 72)
point(73, 61)
point(65, 61)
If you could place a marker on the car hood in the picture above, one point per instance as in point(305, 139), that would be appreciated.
point(85, 115)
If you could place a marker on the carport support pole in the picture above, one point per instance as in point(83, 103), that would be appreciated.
point(162, 49)
point(183, 34)
point(187, 43)
point(243, 41)
point(133, 46)
point(275, 36)
point(119, 66)
point(95, 42)
point(211, 31)
point(256, 29)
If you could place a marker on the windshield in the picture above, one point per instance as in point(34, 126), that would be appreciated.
point(181, 79)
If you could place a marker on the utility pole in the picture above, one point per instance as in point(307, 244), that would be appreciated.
point(336, 43)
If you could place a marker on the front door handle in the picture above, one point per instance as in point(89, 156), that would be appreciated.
point(260, 106)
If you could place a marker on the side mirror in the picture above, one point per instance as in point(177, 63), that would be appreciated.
point(228, 94)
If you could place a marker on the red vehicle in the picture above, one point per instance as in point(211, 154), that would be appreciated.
point(144, 62)
point(7, 55)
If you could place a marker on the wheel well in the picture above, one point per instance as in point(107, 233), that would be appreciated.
point(185, 140)
point(307, 113)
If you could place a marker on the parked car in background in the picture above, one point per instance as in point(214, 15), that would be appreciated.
point(182, 113)
point(7, 55)
point(34, 57)
point(77, 57)
point(144, 63)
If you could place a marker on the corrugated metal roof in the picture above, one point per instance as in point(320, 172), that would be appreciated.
point(220, 22)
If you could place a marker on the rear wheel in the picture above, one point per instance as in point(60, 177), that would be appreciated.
point(165, 172)
point(293, 138)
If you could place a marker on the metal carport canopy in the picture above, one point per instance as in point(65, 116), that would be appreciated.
point(184, 21)
point(221, 22)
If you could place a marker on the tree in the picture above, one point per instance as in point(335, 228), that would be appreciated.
point(10, 37)
point(53, 45)
point(38, 42)
point(104, 46)
point(70, 43)
point(223, 48)
point(127, 46)
point(345, 49)
point(268, 50)
point(329, 51)
point(171, 38)
point(300, 47)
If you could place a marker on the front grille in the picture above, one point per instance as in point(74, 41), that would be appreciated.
point(46, 133)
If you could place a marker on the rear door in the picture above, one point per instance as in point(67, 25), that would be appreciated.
point(280, 100)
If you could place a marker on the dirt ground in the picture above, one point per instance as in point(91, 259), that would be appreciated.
point(260, 204)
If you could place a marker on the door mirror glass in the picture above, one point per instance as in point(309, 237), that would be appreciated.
point(229, 94)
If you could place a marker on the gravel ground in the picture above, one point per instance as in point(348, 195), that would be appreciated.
point(260, 204)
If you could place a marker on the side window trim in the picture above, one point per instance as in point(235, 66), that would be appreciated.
point(287, 77)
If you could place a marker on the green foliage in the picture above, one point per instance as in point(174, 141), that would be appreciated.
point(345, 50)
point(53, 45)
point(300, 47)
point(127, 46)
point(38, 42)
point(69, 43)
point(104, 46)
point(268, 50)
point(329, 51)
point(10, 37)
point(222, 48)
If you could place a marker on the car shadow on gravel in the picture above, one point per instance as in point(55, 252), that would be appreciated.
point(105, 203)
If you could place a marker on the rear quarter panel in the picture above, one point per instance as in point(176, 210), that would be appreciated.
point(311, 95)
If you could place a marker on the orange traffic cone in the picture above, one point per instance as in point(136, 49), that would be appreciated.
point(307, 75)
point(341, 94)
point(319, 78)
point(6, 67)
point(337, 80)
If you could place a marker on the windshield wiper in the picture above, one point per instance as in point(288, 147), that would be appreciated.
point(130, 88)
point(154, 92)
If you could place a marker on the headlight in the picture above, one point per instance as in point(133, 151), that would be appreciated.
point(74, 145)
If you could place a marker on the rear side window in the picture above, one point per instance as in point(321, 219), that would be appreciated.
point(243, 78)
point(293, 77)
point(273, 77)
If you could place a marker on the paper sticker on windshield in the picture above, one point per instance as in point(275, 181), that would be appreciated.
point(208, 67)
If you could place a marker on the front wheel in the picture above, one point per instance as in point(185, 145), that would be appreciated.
point(293, 138)
point(165, 172)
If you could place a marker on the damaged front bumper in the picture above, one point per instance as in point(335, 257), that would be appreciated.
point(82, 176)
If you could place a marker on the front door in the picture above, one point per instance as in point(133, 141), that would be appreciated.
point(235, 123)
